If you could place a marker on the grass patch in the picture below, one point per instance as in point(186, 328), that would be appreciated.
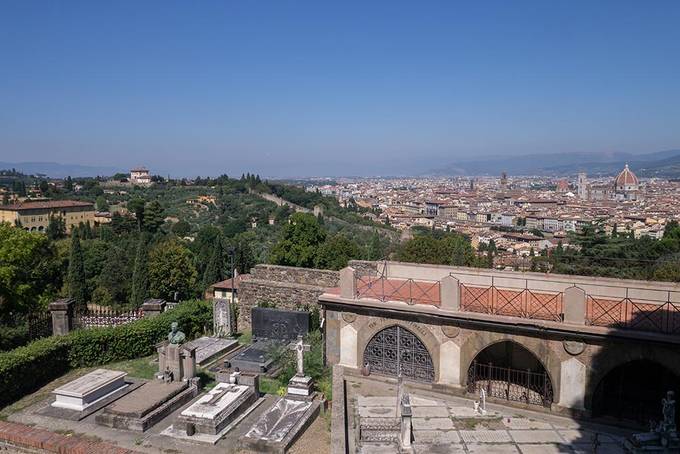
point(245, 338)
point(137, 368)
point(269, 385)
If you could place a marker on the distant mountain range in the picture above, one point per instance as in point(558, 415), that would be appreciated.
point(665, 164)
point(56, 170)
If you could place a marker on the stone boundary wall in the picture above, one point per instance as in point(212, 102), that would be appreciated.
point(295, 275)
point(284, 287)
point(289, 287)
point(32, 439)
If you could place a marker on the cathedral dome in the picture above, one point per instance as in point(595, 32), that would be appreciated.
point(626, 178)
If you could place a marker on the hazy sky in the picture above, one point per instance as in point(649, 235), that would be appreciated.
point(300, 88)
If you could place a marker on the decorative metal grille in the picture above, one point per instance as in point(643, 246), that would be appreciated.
point(105, 316)
point(510, 384)
point(522, 303)
point(396, 349)
point(637, 315)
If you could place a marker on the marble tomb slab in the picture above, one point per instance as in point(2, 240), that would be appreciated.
point(89, 393)
point(213, 414)
point(211, 348)
point(281, 424)
point(146, 406)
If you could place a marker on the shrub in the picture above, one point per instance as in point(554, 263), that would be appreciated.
point(25, 369)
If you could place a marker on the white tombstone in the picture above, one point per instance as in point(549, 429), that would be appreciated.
point(89, 389)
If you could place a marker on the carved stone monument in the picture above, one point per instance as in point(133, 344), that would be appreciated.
point(176, 361)
point(663, 436)
point(223, 320)
point(300, 385)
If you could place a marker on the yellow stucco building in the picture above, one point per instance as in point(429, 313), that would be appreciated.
point(35, 216)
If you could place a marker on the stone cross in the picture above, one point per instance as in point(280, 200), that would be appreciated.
point(300, 348)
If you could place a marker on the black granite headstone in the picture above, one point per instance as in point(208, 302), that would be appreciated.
point(279, 324)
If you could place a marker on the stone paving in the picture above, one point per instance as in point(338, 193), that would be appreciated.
point(444, 424)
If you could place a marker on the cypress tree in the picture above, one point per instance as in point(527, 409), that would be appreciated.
point(214, 270)
point(140, 274)
point(76, 271)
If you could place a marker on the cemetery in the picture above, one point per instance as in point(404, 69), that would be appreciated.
point(194, 386)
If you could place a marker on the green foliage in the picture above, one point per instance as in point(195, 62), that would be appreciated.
point(154, 216)
point(299, 242)
point(336, 251)
point(28, 270)
point(102, 204)
point(27, 368)
point(439, 248)
point(181, 228)
point(214, 272)
point(56, 228)
point(171, 269)
point(595, 254)
point(76, 272)
point(140, 274)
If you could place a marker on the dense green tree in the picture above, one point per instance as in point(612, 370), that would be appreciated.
point(56, 228)
point(102, 204)
point(116, 274)
point(299, 242)
point(181, 228)
point(439, 248)
point(336, 251)
point(214, 271)
point(137, 206)
point(28, 270)
point(140, 273)
point(171, 270)
point(76, 272)
point(376, 249)
point(44, 187)
point(154, 216)
point(68, 184)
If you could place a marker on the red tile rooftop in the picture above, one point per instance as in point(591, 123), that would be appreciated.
point(46, 205)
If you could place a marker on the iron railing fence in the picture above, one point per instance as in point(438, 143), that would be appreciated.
point(103, 316)
point(630, 314)
point(510, 384)
point(407, 290)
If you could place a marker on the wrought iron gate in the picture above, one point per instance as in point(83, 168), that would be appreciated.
point(510, 384)
point(396, 350)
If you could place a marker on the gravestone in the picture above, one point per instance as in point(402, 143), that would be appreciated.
point(176, 360)
point(91, 392)
point(300, 385)
point(279, 324)
point(89, 389)
point(213, 414)
point(223, 320)
point(210, 349)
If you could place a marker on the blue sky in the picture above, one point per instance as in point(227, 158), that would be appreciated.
point(298, 88)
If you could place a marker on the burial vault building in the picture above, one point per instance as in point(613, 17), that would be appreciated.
point(590, 347)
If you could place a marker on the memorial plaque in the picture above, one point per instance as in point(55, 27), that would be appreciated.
point(223, 325)
point(279, 324)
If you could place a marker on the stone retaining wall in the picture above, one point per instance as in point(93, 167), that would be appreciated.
point(283, 287)
point(31, 439)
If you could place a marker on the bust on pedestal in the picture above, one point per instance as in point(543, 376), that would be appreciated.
point(300, 386)
point(176, 360)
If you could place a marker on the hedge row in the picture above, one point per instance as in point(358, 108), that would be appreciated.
point(26, 369)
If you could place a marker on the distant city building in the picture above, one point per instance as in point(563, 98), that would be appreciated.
point(35, 216)
point(582, 186)
point(627, 185)
point(140, 176)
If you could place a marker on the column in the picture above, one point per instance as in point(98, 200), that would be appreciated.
point(153, 307)
point(62, 315)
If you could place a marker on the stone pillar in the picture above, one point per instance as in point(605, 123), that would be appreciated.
point(406, 434)
point(572, 384)
point(62, 315)
point(449, 291)
point(348, 346)
point(223, 323)
point(449, 363)
point(188, 362)
point(348, 283)
point(575, 306)
point(153, 307)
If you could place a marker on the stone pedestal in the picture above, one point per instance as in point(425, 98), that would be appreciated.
point(153, 307)
point(300, 387)
point(179, 359)
point(62, 315)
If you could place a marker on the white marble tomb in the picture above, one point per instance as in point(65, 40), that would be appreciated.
point(89, 389)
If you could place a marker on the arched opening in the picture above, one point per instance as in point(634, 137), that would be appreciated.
point(506, 370)
point(632, 392)
point(396, 350)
